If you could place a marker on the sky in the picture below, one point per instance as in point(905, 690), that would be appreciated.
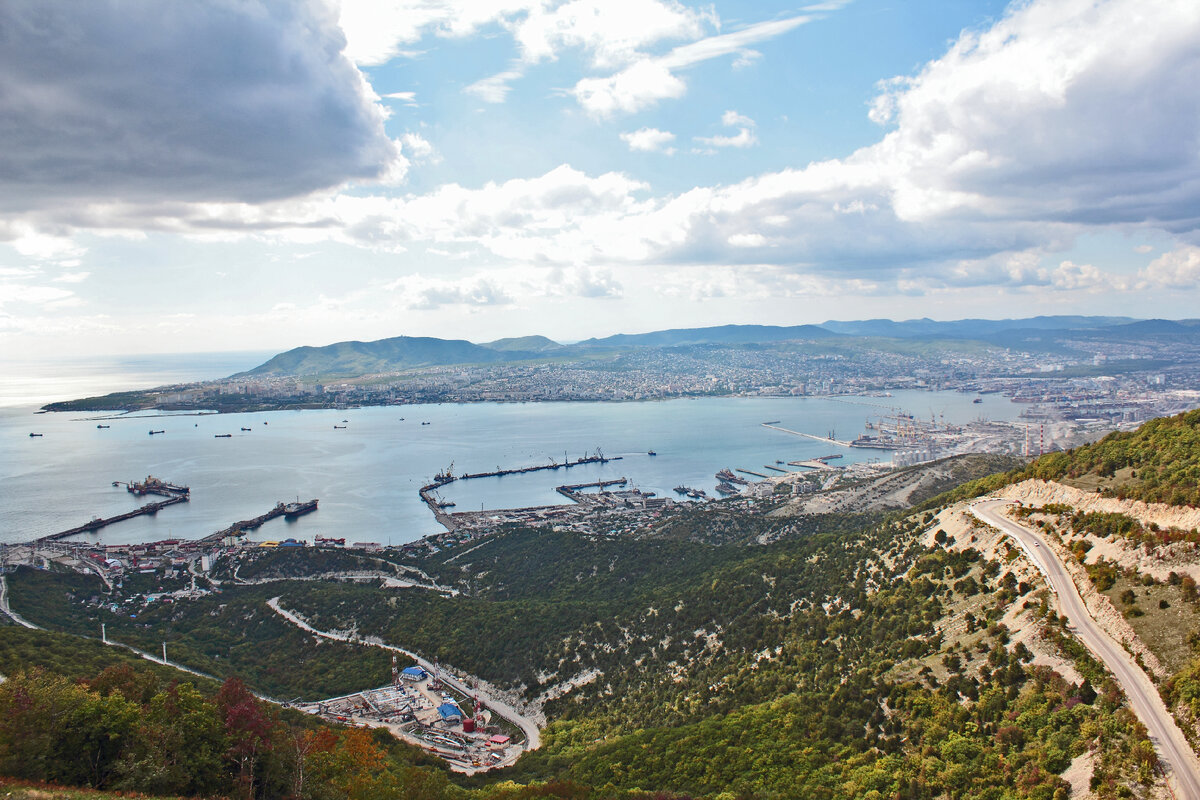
point(263, 174)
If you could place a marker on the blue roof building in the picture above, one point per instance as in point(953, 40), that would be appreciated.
point(413, 674)
point(450, 712)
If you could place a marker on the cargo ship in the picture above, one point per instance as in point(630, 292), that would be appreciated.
point(222, 435)
point(103, 426)
point(154, 432)
point(293, 510)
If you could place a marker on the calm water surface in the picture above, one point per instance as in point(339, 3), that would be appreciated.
point(367, 474)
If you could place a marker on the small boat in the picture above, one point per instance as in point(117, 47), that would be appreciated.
point(33, 435)
point(651, 453)
point(402, 419)
point(977, 400)
point(424, 423)
point(246, 429)
point(154, 432)
point(339, 427)
point(104, 426)
point(345, 420)
point(222, 435)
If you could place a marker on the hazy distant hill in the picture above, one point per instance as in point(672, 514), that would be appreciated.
point(969, 328)
point(408, 352)
point(525, 344)
point(362, 358)
point(722, 334)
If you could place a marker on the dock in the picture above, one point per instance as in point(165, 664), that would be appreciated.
point(778, 469)
point(571, 492)
point(98, 523)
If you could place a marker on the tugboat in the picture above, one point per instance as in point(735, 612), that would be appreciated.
point(651, 453)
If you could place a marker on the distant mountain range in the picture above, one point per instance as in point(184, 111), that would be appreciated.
point(412, 352)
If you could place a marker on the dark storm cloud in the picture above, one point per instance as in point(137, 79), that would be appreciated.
point(142, 101)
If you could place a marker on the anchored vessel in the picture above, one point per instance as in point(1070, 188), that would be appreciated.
point(293, 510)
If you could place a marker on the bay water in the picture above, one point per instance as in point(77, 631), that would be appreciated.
point(367, 473)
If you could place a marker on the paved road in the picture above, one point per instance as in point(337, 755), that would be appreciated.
point(533, 737)
point(1182, 767)
point(7, 611)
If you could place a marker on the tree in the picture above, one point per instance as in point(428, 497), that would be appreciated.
point(247, 729)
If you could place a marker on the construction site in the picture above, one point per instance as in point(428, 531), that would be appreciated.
point(424, 709)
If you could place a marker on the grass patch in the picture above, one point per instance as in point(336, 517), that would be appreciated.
point(1164, 630)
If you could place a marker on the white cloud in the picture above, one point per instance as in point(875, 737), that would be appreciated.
point(649, 140)
point(1178, 269)
point(379, 30)
point(406, 98)
point(743, 138)
point(418, 148)
point(651, 79)
point(72, 277)
point(732, 119)
point(495, 88)
point(423, 294)
point(613, 31)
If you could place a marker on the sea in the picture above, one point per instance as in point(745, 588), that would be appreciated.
point(365, 465)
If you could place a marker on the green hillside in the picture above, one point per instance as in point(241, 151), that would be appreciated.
point(1157, 463)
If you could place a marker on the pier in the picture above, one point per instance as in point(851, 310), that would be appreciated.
point(98, 523)
point(827, 439)
point(153, 485)
point(566, 464)
point(447, 476)
point(751, 472)
point(240, 527)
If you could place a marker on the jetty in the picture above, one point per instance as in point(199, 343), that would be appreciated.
point(437, 506)
point(599, 458)
point(241, 526)
point(752, 472)
point(827, 439)
point(98, 522)
point(153, 485)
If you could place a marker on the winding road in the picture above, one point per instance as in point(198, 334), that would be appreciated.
point(1176, 755)
point(533, 736)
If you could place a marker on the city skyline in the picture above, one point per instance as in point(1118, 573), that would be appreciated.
point(210, 177)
